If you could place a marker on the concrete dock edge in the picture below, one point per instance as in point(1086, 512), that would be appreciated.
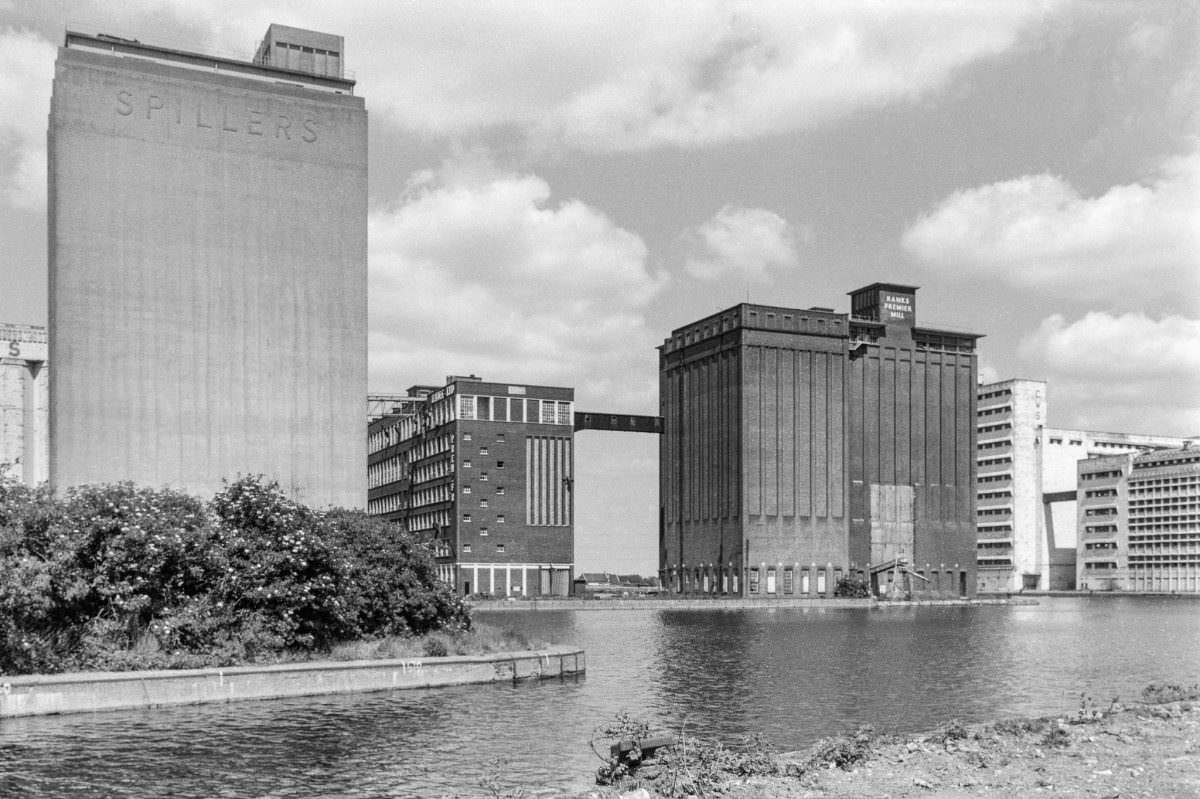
point(49, 694)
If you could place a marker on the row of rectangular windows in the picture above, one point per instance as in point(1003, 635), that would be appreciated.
point(1166, 462)
point(1100, 475)
point(307, 49)
point(514, 409)
point(466, 517)
point(499, 489)
point(1163, 560)
point(1141, 485)
point(387, 471)
point(1101, 492)
point(1154, 538)
point(466, 548)
point(994, 461)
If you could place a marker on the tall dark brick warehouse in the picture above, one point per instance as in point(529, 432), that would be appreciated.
point(803, 446)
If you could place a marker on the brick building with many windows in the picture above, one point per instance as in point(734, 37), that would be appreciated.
point(801, 446)
point(485, 471)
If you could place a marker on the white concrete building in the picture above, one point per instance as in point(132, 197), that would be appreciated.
point(208, 267)
point(24, 403)
point(1139, 522)
point(1027, 487)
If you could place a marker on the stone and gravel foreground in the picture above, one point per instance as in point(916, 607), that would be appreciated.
point(1117, 752)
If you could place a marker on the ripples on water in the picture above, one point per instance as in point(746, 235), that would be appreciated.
point(792, 675)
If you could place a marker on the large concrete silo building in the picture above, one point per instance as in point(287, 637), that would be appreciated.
point(208, 267)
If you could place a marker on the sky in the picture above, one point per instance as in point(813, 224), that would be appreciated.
point(555, 186)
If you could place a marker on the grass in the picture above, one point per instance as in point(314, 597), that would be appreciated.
point(482, 639)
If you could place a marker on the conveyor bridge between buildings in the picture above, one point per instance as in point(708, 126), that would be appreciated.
point(620, 422)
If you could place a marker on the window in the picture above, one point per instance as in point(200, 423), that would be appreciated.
point(466, 549)
point(548, 414)
point(483, 502)
point(483, 478)
point(483, 450)
point(466, 436)
point(466, 489)
point(466, 517)
point(564, 413)
point(499, 438)
point(770, 581)
point(466, 407)
point(499, 489)
point(754, 581)
point(499, 518)
point(788, 581)
point(499, 464)
point(483, 531)
point(467, 463)
point(499, 547)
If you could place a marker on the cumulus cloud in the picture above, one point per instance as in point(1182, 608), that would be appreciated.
point(26, 69)
point(1123, 372)
point(988, 373)
point(1133, 244)
point(746, 243)
point(627, 74)
point(478, 271)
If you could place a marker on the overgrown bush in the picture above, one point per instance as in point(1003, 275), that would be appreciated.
point(852, 587)
point(117, 577)
point(842, 751)
point(1162, 693)
point(687, 766)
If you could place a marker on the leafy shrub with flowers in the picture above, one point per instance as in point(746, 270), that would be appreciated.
point(118, 577)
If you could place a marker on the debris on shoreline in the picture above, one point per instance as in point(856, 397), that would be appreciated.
point(1118, 751)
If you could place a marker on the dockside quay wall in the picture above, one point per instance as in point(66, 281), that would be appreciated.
point(730, 603)
point(38, 695)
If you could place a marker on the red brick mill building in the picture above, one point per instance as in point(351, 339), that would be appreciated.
point(803, 446)
point(485, 471)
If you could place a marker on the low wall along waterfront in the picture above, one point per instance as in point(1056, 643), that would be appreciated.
point(39, 695)
point(728, 603)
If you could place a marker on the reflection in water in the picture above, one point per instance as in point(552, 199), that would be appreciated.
point(792, 675)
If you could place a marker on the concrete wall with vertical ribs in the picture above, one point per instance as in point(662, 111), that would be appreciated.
point(207, 276)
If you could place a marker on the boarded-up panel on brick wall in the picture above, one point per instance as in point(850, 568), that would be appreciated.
point(891, 522)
